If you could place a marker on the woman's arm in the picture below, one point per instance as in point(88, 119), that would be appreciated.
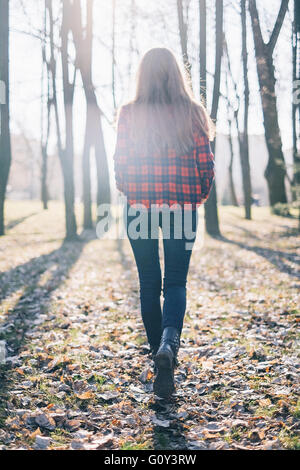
point(206, 165)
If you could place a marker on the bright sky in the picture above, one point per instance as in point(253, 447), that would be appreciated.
point(157, 24)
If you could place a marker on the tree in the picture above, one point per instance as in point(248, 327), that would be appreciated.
point(243, 136)
point(276, 171)
point(296, 101)
point(5, 147)
point(202, 50)
point(211, 208)
point(183, 27)
point(232, 194)
point(45, 133)
point(295, 181)
point(66, 150)
point(93, 132)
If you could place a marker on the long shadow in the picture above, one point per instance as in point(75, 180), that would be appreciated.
point(273, 256)
point(28, 276)
point(289, 231)
point(126, 262)
point(35, 300)
point(247, 232)
point(16, 222)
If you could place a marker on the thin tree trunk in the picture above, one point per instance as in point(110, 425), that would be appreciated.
point(66, 152)
point(184, 40)
point(113, 52)
point(202, 50)
point(44, 140)
point(86, 172)
point(243, 137)
point(211, 208)
point(233, 198)
point(295, 184)
point(276, 171)
point(132, 37)
point(68, 89)
point(5, 146)
point(94, 133)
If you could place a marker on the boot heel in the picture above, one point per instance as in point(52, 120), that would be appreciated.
point(164, 360)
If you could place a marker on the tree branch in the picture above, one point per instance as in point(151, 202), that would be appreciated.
point(279, 21)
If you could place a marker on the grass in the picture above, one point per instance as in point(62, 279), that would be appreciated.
point(136, 446)
point(289, 440)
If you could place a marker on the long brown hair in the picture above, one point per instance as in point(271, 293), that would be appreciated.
point(164, 111)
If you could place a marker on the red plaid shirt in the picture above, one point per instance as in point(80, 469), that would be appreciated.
point(172, 179)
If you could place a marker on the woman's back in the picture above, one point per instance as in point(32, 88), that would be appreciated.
point(150, 175)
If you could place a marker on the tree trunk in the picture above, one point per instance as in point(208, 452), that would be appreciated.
point(66, 152)
point(5, 147)
point(184, 40)
point(44, 139)
point(113, 53)
point(44, 186)
point(243, 137)
point(295, 184)
point(276, 171)
point(94, 133)
point(103, 186)
point(233, 198)
point(211, 208)
point(86, 173)
point(202, 49)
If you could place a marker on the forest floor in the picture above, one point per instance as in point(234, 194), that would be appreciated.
point(77, 374)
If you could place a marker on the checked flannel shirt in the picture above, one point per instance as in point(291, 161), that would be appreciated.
point(172, 179)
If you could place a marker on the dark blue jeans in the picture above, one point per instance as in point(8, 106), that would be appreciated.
point(177, 254)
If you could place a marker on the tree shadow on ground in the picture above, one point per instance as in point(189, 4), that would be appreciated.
point(126, 261)
point(276, 257)
point(20, 276)
point(35, 300)
point(289, 231)
point(19, 221)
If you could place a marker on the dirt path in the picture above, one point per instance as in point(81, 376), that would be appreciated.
point(78, 374)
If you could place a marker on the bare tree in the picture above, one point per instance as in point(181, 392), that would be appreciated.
point(276, 171)
point(132, 37)
point(230, 119)
point(113, 53)
point(243, 136)
point(45, 133)
point(202, 50)
point(183, 28)
point(211, 208)
point(93, 132)
point(66, 150)
point(296, 105)
point(5, 148)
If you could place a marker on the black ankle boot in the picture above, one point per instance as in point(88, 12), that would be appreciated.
point(165, 362)
point(152, 354)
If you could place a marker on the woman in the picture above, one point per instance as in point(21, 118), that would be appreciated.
point(163, 161)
